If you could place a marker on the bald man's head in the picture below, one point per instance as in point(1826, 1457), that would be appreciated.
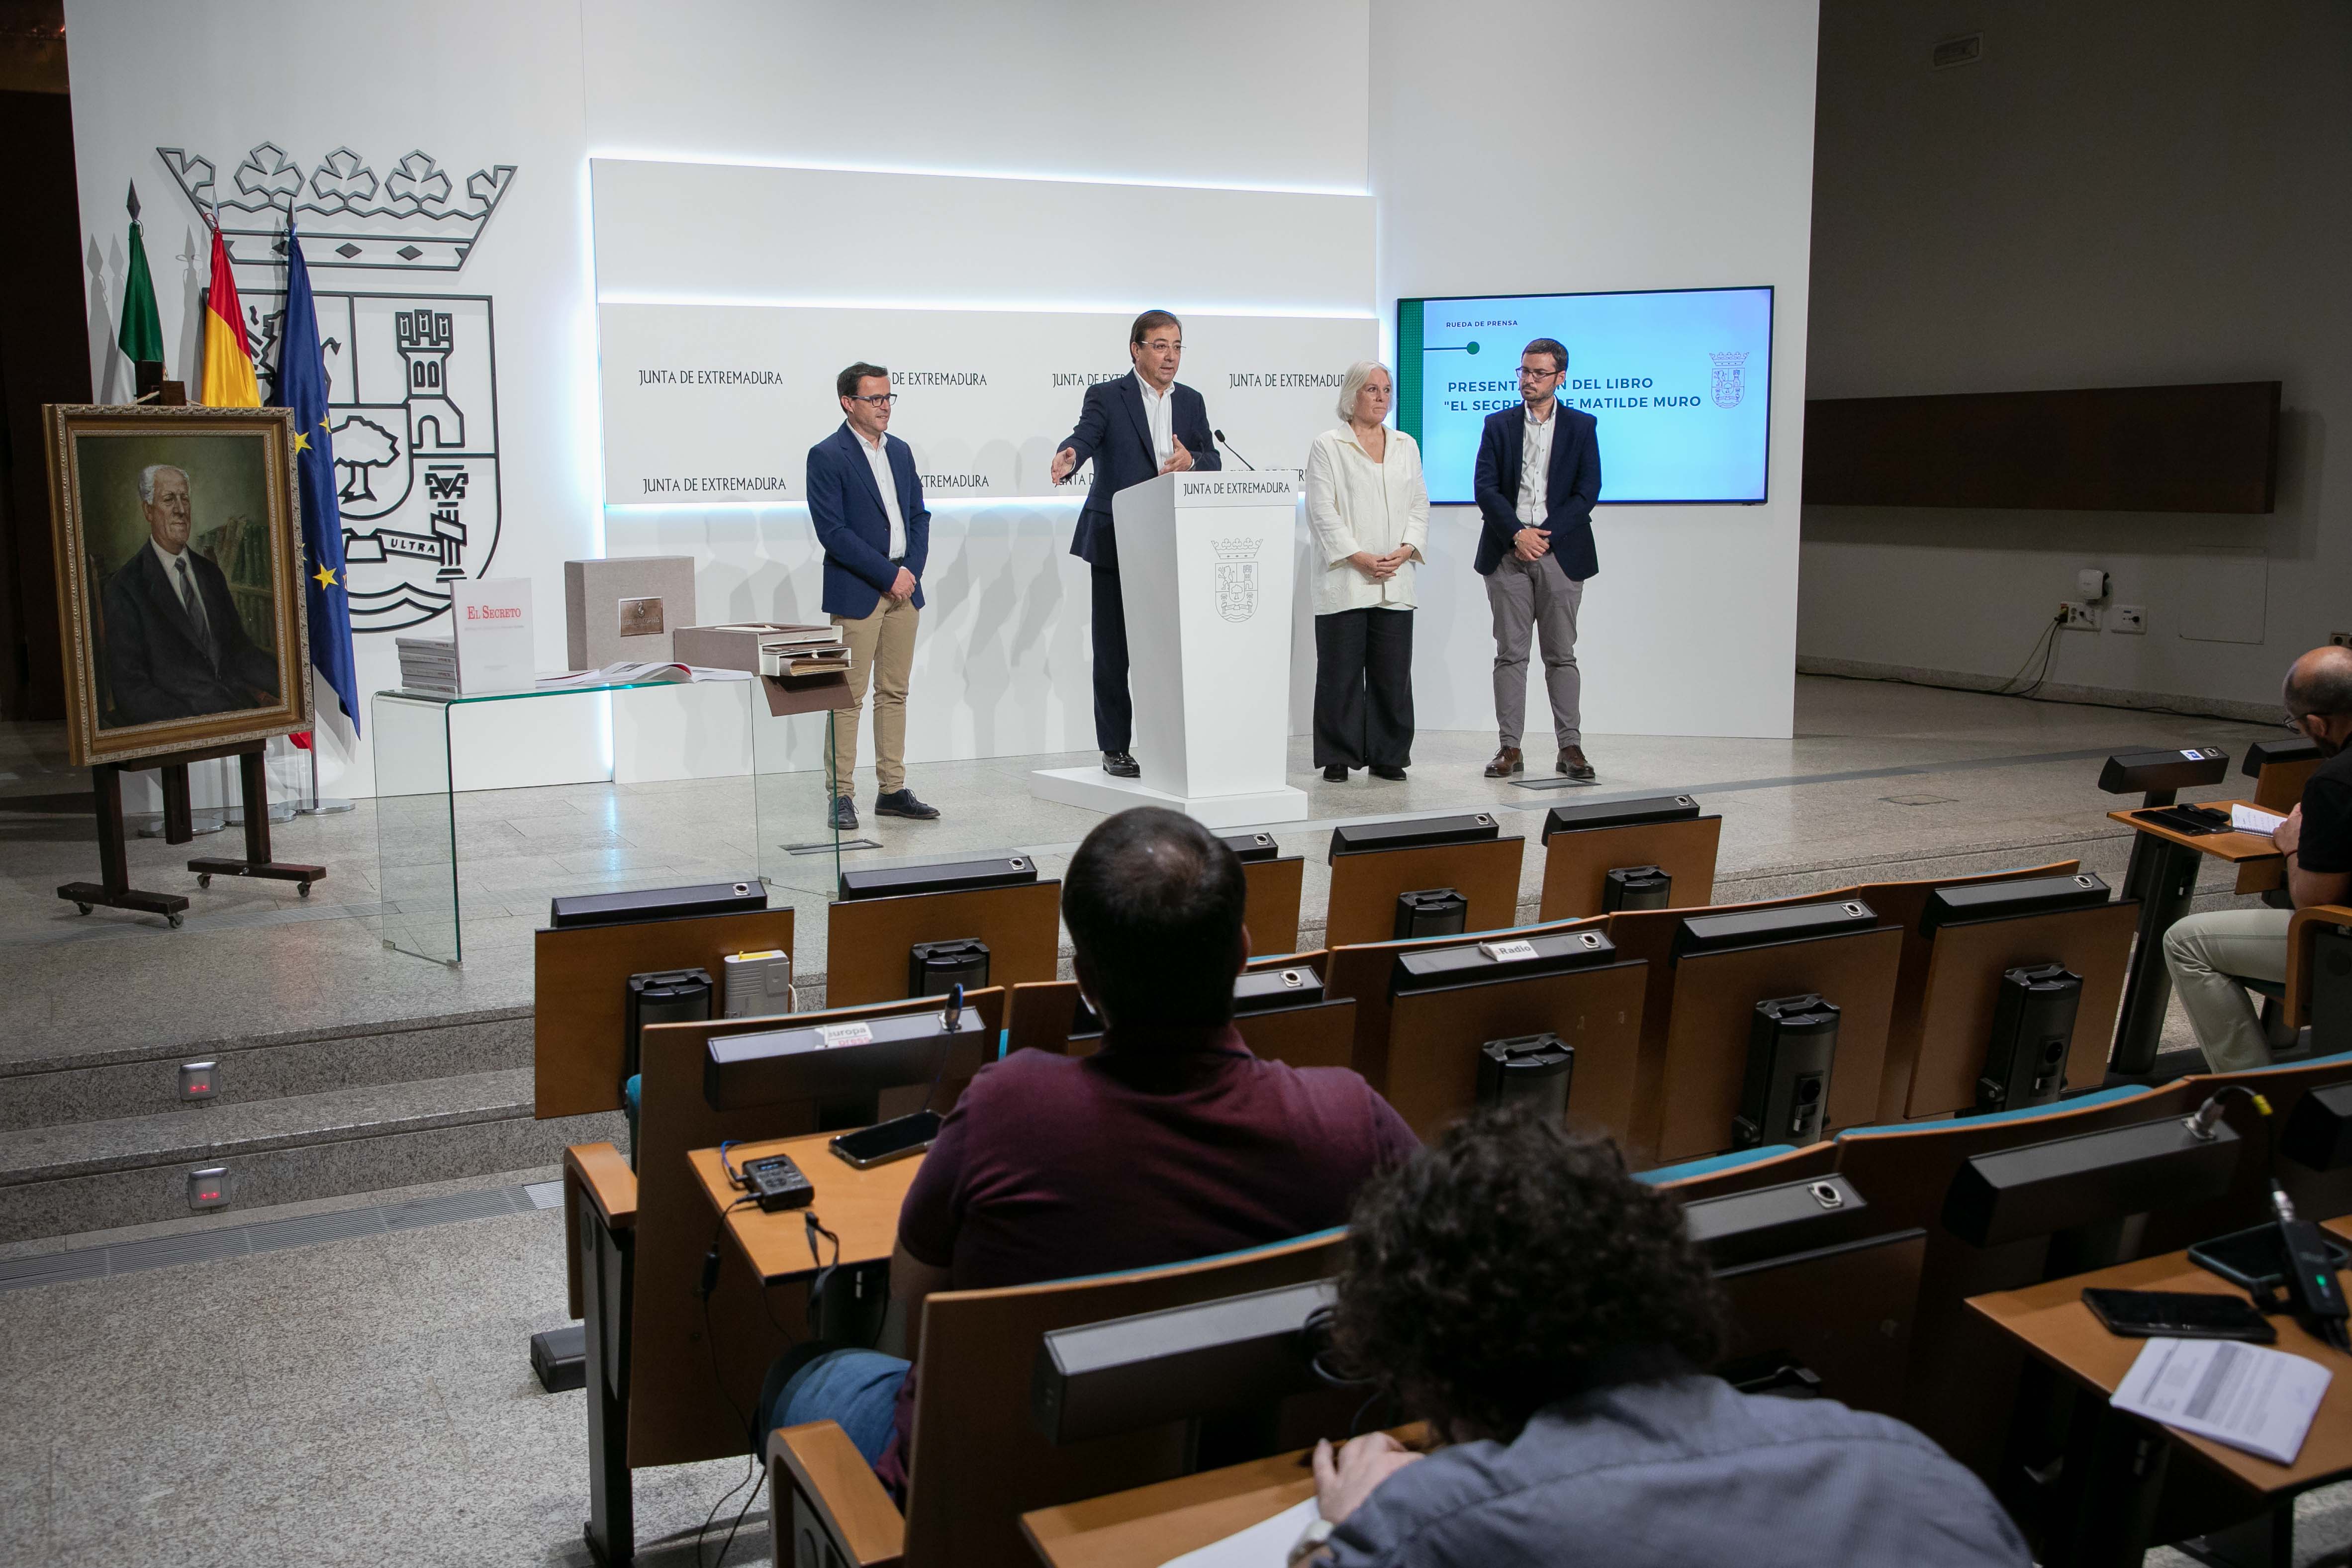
point(2319, 696)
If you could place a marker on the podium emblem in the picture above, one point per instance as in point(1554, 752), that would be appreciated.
point(1730, 378)
point(1236, 577)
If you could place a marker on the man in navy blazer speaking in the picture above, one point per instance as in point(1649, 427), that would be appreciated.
point(1135, 428)
point(1538, 474)
point(866, 502)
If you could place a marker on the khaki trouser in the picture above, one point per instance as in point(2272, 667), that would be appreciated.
point(881, 649)
point(1527, 597)
point(2204, 952)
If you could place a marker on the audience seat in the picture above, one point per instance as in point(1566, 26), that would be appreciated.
point(977, 1462)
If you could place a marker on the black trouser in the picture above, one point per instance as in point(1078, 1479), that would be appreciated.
point(1363, 688)
point(1114, 710)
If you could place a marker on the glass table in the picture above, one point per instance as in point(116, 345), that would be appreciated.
point(420, 739)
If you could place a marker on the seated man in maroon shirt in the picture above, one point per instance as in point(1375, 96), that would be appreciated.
point(1173, 1143)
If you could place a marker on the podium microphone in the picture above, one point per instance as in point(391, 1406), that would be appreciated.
point(1229, 446)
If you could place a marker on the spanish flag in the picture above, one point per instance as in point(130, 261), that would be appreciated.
point(228, 355)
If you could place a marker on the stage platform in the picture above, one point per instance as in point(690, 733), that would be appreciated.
point(347, 1066)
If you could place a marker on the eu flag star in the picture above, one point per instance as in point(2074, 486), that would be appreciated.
point(301, 441)
point(325, 576)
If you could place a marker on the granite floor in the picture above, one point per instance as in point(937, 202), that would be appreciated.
point(1878, 776)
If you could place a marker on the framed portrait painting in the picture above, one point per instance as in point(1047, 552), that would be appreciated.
point(179, 560)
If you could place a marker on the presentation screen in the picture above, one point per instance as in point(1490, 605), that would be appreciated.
point(1680, 381)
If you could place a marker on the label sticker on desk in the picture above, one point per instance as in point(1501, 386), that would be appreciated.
point(1502, 952)
point(846, 1034)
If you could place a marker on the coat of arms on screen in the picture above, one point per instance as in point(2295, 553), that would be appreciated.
point(411, 374)
point(1730, 378)
point(1236, 579)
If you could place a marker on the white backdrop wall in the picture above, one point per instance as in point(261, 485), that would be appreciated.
point(1663, 146)
point(1688, 134)
point(544, 85)
point(2119, 193)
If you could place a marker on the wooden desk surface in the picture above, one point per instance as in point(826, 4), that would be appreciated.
point(859, 1206)
point(2053, 1322)
point(2230, 844)
point(1145, 1527)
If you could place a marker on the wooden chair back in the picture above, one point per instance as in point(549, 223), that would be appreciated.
point(2302, 971)
point(977, 1462)
point(2317, 1195)
point(2279, 786)
point(580, 980)
point(1796, 1164)
point(676, 1412)
point(1272, 910)
point(1715, 998)
point(1577, 862)
point(1848, 1314)
point(867, 939)
point(1963, 1373)
point(1038, 1015)
point(1321, 1034)
point(1649, 935)
point(1362, 972)
point(1902, 904)
point(1950, 1020)
point(1434, 1038)
point(1365, 885)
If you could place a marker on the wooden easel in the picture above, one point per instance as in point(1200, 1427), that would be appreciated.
point(115, 891)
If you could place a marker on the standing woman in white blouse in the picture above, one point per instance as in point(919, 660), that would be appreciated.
point(1369, 512)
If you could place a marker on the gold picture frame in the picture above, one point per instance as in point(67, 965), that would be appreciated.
point(176, 649)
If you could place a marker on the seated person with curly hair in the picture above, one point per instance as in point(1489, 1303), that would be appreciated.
point(1548, 1316)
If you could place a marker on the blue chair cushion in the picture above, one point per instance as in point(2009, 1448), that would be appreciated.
point(632, 1096)
point(1712, 1163)
point(2023, 1112)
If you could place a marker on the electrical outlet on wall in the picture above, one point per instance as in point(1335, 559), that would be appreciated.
point(2131, 620)
point(2341, 639)
point(2080, 617)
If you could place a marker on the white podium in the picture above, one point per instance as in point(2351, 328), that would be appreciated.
point(1205, 570)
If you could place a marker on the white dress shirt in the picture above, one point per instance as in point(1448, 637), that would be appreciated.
point(1158, 413)
point(1355, 503)
point(878, 457)
point(1535, 469)
point(184, 583)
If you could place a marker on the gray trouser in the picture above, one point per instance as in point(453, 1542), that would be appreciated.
point(2204, 953)
point(1526, 596)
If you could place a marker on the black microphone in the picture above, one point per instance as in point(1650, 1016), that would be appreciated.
point(1229, 446)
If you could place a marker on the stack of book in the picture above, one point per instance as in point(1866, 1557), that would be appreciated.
point(802, 651)
point(428, 664)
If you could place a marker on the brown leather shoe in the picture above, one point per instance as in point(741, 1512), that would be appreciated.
point(1572, 763)
point(1507, 762)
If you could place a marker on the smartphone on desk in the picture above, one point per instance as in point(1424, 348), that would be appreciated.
point(2179, 1314)
point(886, 1140)
point(2254, 1257)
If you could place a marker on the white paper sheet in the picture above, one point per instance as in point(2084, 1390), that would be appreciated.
point(2254, 819)
point(2259, 1400)
point(1263, 1545)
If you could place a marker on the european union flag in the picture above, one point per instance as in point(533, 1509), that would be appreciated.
point(302, 387)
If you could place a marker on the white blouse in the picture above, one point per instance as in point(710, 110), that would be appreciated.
point(1355, 503)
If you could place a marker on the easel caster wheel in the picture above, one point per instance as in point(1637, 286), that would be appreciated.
point(301, 889)
point(83, 908)
point(204, 879)
point(174, 920)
